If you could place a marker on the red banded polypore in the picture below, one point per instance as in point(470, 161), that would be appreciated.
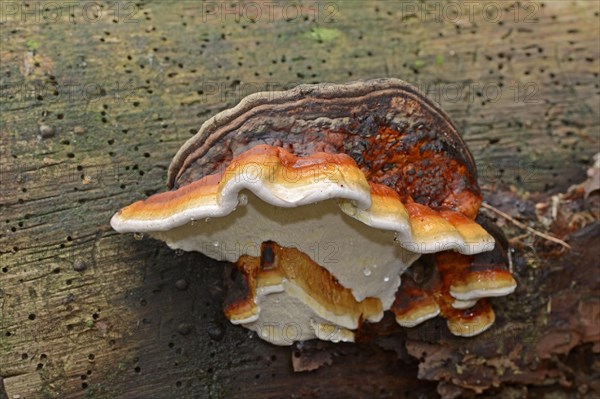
point(356, 234)
point(323, 196)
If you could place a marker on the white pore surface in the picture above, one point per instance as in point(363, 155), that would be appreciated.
point(364, 259)
point(473, 295)
point(285, 317)
point(419, 320)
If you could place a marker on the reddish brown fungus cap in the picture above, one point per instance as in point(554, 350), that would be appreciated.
point(396, 135)
point(372, 169)
point(457, 287)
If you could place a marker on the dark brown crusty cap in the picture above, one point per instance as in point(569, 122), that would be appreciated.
point(396, 135)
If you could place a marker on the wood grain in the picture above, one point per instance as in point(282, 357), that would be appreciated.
point(94, 105)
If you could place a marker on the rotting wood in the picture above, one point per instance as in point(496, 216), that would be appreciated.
point(525, 227)
point(119, 327)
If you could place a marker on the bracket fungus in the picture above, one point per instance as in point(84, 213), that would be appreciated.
point(322, 197)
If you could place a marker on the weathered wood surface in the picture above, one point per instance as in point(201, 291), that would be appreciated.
point(94, 105)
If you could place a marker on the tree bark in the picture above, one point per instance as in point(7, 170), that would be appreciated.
point(96, 101)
